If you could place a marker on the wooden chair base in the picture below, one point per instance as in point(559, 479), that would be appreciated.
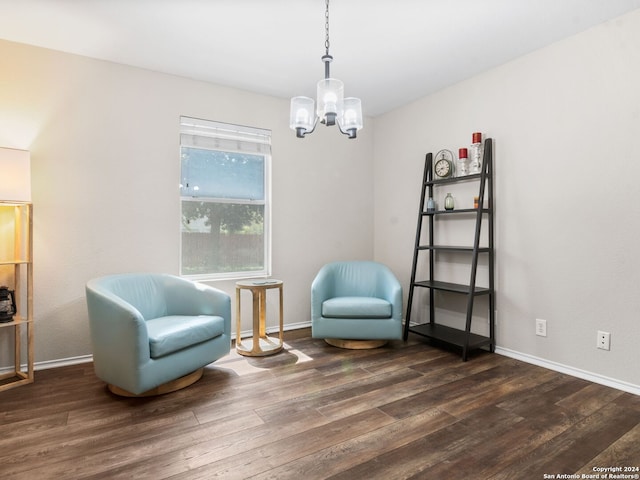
point(172, 386)
point(355, 344)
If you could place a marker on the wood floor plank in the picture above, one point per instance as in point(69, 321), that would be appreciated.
point(569, 451)
point(361, 389)
point(274, 454)
point(340, 457)
point(400, 390)
point(621, 453)
point(517, 385)
point(83, 452)
point(547, 394)
point(263, 395)
point(179, 454)
point(16, 431)
point(446, 387)
point(419, 456)
point(590, 399)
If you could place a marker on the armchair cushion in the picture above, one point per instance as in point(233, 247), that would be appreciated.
point(172, 333)
point(356, 307)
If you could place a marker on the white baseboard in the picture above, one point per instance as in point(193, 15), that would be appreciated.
point(63, 362)
point(574, 372)
point(44, 365)
point(274, 329)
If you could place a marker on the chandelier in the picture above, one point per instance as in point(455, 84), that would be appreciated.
point(332, 107)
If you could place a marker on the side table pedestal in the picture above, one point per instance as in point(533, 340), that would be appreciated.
point(260, 344)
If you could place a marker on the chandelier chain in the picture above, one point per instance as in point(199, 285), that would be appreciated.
point(326, 26)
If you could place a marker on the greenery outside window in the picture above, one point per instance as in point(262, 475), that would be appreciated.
point(224, 191)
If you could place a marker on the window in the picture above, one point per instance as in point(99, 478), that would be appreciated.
point(224, 191)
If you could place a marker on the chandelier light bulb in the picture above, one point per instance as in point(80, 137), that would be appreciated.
point(330, 101)
point(302, 117)
point(349, 117)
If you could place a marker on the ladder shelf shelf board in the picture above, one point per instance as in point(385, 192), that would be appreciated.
point(451, 336)
point(455, 212)
point(452, 287)
point(454, 248)
point(462, 338)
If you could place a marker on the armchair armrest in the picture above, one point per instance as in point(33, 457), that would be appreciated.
point(118, 330)
point(389, 288)
point(321, 290)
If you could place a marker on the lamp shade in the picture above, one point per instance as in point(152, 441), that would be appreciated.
point(15, 175)
point(330, 99)
point(301, 114)
point(352, 114)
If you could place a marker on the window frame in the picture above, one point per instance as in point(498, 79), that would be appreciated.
point(231, 132)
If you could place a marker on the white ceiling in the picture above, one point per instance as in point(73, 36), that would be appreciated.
point(388, 53)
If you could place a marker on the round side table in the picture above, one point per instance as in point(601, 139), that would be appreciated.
point(261, 344)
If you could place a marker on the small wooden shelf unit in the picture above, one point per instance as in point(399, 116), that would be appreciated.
point(16, 272)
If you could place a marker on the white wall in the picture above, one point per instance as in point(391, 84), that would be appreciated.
point(105, 173)
point(566, 124)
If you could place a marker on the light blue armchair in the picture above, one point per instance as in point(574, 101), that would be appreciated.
point(154, 333)
point(356, 301)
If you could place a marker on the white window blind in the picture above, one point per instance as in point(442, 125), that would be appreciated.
point(223, 136)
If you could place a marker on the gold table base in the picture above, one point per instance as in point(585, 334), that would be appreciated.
point(259, 344)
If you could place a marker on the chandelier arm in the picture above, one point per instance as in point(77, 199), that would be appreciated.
point(351, 132)
point(301, 132)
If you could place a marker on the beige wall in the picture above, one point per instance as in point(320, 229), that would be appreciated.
point(566, 124)
point(105, 173)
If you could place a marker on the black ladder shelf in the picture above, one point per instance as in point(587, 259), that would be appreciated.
point(460, 338)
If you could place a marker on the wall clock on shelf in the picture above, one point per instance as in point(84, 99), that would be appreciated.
point(443, 165)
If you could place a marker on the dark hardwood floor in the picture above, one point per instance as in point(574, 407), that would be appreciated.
point(407, 410)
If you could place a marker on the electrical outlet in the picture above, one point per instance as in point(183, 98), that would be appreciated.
point(541, 327)
point(604, 340)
